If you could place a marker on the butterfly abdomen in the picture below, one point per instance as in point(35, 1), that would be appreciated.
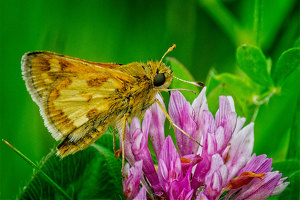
point(71, 146)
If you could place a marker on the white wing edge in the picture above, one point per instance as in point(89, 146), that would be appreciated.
point(26, 73)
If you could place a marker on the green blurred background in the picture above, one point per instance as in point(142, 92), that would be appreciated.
point(206, 32)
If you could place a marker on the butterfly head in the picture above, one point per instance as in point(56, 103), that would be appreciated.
point(162, 75)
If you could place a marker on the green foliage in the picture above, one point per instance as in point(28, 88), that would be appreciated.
point(290, 169)
point(258, 100)
point(90, 174)
point(253, 62)
point(235, 86)
point(286, 64)
point(292, 191)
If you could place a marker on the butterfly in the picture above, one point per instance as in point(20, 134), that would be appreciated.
point(79, 99)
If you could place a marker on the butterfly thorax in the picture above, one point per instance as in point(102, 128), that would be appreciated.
point(148, 78)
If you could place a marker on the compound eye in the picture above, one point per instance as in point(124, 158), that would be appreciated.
point(159, 79)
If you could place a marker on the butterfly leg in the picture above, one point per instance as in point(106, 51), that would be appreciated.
point(123, 139)
point(116, 152)
point(114, 141)
point(172, 123)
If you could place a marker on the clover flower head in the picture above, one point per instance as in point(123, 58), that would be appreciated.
point(223, 166)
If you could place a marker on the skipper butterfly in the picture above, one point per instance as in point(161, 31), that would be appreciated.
point(80, 99)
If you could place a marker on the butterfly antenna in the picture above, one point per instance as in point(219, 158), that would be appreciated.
point(182, 89)
point(197, 83)
point(170, 49)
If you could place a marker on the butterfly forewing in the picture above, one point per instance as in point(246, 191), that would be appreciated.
point(73, 95)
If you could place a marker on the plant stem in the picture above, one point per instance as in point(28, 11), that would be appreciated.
point(294, 144)
point(35, 166)
point(226, 20)
point(257, 22)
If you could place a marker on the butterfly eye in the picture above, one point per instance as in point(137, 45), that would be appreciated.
point(159, 79)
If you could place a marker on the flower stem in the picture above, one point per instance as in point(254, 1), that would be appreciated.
point(35, 166)
point(294, 144)
point(225, 19)
point(257, 22)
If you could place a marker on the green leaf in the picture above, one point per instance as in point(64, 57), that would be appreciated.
point(181, 72)
point(241, 91)
point(45, 176)
point(253, 62)
point(286, 64)
point(292, 190)
point(297, 43)
point(91, 173)
point(288, 167)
